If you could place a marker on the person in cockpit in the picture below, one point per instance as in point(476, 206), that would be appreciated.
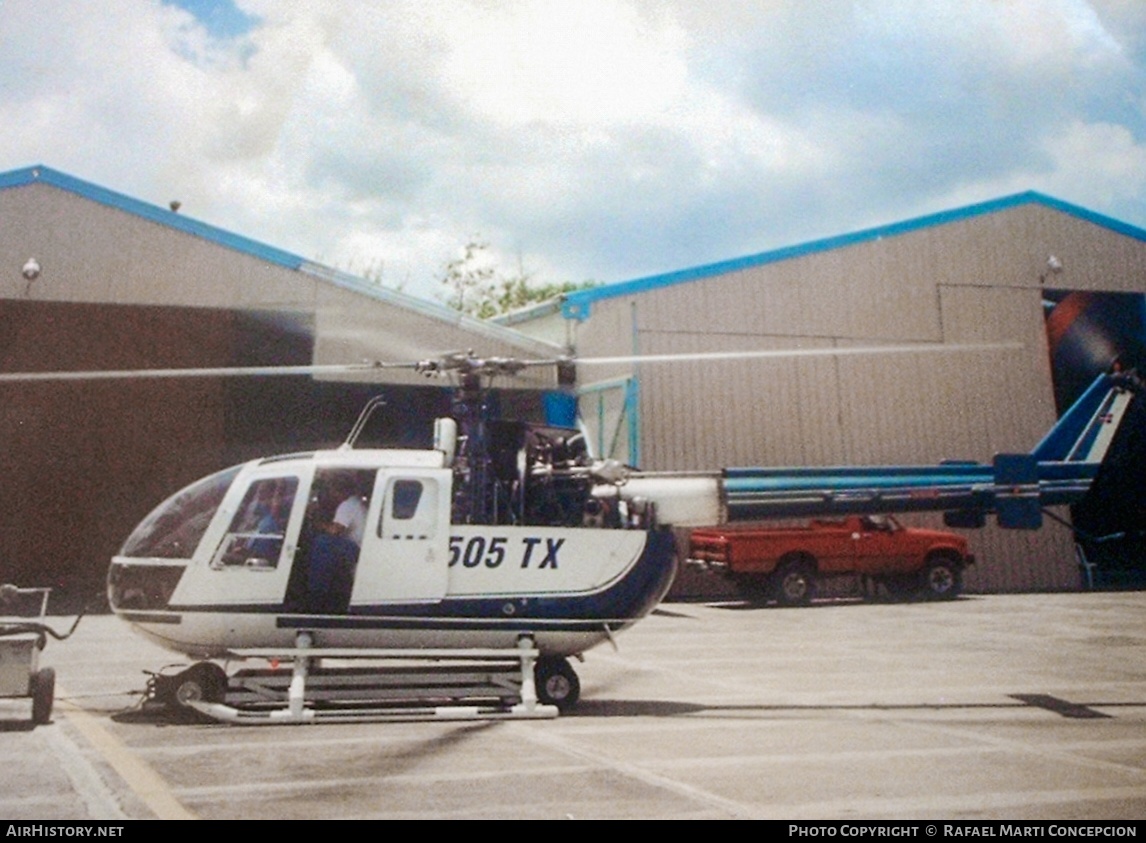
point(350, 518)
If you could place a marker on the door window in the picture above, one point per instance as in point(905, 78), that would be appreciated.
point(255, 537)
point(410, 511)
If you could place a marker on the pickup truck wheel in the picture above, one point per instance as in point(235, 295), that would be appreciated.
point(941, 580)
point(795, 584)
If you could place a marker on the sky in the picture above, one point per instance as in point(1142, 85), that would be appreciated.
point(599, 140)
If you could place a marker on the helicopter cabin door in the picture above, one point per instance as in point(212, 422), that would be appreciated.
point(249, 560)
point(405, 549)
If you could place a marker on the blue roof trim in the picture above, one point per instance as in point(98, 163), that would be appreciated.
point(154, 213)
point(1117, 226)
point(578, 305)
point(40, 174)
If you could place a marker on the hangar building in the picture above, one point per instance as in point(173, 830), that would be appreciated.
point(1026, 271)
point(124, 284)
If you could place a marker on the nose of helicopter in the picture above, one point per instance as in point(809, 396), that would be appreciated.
point(141, 585)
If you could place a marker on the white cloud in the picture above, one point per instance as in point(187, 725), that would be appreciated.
point(588, 63)
point(603, 139)
point(1113, 163)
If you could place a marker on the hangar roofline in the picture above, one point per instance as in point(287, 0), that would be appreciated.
point(40, 174)
point(577, 305)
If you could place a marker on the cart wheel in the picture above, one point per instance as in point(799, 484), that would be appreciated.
point(43, 694)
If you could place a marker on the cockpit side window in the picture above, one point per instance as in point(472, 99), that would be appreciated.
point(410, 510)
point(255, 537)
point(174, 528)
point(404, 498)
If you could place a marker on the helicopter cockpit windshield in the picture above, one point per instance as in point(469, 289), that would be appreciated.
point(148, 567)
point(174, 528)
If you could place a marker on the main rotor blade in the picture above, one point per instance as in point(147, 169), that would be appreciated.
point(498, 365)
point(226, 372)
point(787, 353)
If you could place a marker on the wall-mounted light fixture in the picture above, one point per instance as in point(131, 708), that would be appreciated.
point(1054, 267)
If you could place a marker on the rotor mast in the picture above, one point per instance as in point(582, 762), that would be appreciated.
point(473, 407)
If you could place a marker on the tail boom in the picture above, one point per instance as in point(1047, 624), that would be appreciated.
point(1016, 487)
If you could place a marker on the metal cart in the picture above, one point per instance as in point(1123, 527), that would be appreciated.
point(23, 635)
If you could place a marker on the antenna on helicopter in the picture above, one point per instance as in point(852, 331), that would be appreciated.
point(363, 417)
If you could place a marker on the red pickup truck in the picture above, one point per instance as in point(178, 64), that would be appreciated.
point(784, 563)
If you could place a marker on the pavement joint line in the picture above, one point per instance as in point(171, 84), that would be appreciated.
point(255, 790)
point(548, 740)
point(97, 798)
point(136, 773)
point(227, 744)
point(975, 804)
point(835, 757)
point(1028, 748)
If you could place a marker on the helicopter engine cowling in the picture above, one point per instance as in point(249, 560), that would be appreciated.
point(678, 500)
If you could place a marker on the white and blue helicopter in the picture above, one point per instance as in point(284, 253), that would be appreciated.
point(506, 541)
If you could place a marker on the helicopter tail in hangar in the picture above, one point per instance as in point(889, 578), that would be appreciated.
point(1016, 487)
point(1085, 431)
point(1062, 467)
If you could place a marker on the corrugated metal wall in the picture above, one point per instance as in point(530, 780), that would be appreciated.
point(971, 280)
point(91, 252)
point(94, 253)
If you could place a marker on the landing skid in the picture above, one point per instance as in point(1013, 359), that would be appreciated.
point(397, 685)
